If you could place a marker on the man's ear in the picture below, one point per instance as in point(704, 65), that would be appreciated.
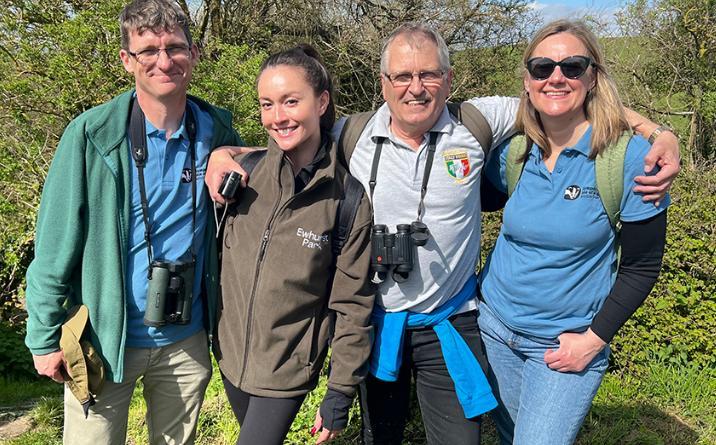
point(384, 83)
point(195, 54)
point(127, 61)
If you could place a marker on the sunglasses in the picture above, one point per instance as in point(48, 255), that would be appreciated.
point(573, 67)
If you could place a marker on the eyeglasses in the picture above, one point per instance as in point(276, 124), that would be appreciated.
point(573, 67)
point(426, 77)
point(150, 56)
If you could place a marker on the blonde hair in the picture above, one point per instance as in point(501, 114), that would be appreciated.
point(602, 106)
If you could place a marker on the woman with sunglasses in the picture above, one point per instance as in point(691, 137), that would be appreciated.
point(553, 295)
point(285, 290)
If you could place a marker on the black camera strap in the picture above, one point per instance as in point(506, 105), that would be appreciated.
point(138, 140)
point(426, 174)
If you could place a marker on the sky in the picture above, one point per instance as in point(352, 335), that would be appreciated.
point(603, 9)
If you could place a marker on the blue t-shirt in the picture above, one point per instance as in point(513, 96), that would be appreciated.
point(554, 261)
point(167, 177)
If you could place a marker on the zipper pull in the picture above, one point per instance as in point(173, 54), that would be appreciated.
point(264, 241)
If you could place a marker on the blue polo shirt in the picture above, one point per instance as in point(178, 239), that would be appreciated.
point(554, 262)
point(167, 177)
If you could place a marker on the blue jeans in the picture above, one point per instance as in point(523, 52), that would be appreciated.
point(537, 406)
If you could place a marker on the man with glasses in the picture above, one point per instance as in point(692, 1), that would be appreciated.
point(122, 229)
point(416, 78)
point(426, 320)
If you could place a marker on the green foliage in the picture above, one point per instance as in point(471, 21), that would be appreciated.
point(677, 321)
point(15, 359)
point(59, 59)
point(349, 34)
point(679, 37)
point(40, 436)
point(16, 391)
point(486, 72)
point(226, 77)
point(46, 417)
point(665, 404)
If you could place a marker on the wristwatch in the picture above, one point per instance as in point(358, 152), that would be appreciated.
point(657, 131)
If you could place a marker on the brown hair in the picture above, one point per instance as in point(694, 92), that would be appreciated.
point(157, 15)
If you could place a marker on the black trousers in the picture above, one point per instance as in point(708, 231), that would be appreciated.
point(385, 406)
point(263, 420)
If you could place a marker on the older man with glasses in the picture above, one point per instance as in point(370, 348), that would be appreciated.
point(422, 168)
point(122, 230)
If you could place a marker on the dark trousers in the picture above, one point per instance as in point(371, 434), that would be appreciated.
point(385, 406)
point(263, 420)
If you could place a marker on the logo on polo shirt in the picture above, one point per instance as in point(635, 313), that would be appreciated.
point(457, 162)
point(186, 175)
point(572, 192)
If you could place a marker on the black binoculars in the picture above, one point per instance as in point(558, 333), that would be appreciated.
point(169, 294)
point(395, 250)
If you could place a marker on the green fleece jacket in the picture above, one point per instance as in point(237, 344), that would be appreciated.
point(83, 231)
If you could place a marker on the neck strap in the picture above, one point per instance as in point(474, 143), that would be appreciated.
point(138, 140)
point(426, 174)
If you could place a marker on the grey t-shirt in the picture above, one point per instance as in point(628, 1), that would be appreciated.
point(452, 202)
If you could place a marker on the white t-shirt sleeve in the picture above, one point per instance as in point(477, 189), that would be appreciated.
point(500, 112)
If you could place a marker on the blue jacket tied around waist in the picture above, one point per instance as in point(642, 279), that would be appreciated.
point(473, 390)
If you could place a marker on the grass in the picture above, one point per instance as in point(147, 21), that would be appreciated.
point(666, 405)
point(16, 392)
point(663, 405)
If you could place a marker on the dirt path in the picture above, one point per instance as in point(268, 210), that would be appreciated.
point(14, 421)
point(15, 428)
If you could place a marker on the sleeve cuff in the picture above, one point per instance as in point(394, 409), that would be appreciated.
point(334, 409)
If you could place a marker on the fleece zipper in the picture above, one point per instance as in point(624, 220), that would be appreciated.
point(262, 251)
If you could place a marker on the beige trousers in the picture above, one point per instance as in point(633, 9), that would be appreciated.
point(174, 377)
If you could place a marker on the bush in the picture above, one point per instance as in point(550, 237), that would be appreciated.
point(677, 322)
point(15, 359)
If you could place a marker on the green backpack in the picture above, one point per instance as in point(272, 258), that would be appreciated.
point(608, 169)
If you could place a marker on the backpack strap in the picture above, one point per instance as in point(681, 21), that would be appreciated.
point(352, 129)
point(473, 119)
point(346, 213)
point(465, 112)
point(347, 207)
point(609, 171)
point(513, 167)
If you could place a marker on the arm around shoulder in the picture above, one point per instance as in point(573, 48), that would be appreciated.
point(664, 154)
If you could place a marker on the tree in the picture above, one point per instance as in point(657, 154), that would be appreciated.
point(59, 58)
point(678, 77)
point(349, 34)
